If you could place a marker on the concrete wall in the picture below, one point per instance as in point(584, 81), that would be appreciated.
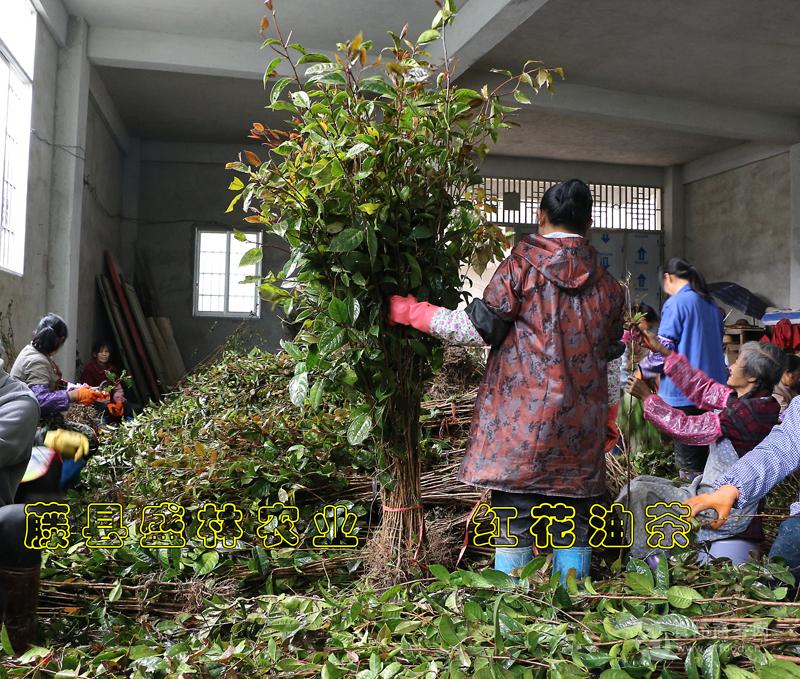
point(101, 228)
point(737, 227)
point(29, 291)
point(176, 196)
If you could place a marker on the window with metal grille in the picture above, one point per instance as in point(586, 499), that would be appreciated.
point(219, 287)
point(629, 208)
point(17, 42)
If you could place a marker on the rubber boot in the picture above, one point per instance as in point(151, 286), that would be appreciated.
point(19, 595)
point(572, 558)
point(508, 559)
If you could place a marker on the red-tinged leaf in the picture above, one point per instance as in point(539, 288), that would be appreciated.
point(254, 219)
point(252, 158)
point(264, 23)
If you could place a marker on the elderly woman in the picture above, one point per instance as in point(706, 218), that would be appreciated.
point(36, 368)
point(740, 415)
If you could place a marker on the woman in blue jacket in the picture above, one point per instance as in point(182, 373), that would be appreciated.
point(691, 325)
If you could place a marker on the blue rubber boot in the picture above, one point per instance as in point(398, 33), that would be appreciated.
point(507, 559)
point(572, 558)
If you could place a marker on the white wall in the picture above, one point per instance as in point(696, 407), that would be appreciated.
point(737, 227)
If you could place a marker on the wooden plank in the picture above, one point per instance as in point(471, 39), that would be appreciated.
point(161, 346)
point(120, 336)
point(165, 326)
point(141, 353)
point(144, 331)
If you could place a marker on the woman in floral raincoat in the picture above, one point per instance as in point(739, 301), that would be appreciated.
point(550, 314)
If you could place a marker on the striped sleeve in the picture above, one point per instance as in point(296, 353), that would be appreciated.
point(769, 463)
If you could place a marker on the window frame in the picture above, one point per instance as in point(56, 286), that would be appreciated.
point(13, 261)
point(257, 301)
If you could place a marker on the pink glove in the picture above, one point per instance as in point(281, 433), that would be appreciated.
point(408, 311)
point(399, 309)
point(420, 315)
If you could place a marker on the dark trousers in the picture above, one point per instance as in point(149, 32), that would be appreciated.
point(522, 524)
point(13, 552)
point(787, 545)
point(690, 458)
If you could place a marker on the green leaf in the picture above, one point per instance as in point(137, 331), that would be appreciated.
point(682, 597)
point(779, 669)
point(369, 208)
point(447, 632)
point(331, 340)
point(615, 673)
point(269, 70)
point(709, 662)
point(315, 395)
point(356, 149)
point(428, 36)
point(277, 88)
point(378, 85)
point(498, 635)
point(300, 99)
point(313, 58)
point(347, 240)
point(208, 562)
point(420, 232)
point(733, 672)
point(521, 97)
point(252, 256)
point(359, 429)
point(640, 583)
point(372, 244)
point(532, 566)
point(33, 653)
point(5, 642)
point(339, 311)
point(675, 623)
point(623, 626)
point(116, 591)
point(235, 200)
point(440, 572)
point(236, 184)
point(298, 388)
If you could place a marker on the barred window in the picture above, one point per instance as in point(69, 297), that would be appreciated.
point(618, 207)
point(17, 43)
point(220, 288)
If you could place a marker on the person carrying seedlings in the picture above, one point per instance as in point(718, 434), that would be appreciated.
point(550, 314)
point(752, 477)
point(741, 413)
point(692, 325)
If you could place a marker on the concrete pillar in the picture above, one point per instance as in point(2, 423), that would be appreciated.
point(673, 214)
point(72, 101)
point(129, 225)
point(794, 226)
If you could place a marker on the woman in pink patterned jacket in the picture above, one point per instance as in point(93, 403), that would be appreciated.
point(550, 314)
point(740, 416)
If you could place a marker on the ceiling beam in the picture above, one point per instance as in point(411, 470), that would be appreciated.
point(153, 51)
point(55, 17)
point(659, 112)
point(479, 27)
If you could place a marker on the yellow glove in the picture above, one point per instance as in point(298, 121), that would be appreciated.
point(67, 443)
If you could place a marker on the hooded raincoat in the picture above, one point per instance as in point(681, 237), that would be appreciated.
point(539, 424)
